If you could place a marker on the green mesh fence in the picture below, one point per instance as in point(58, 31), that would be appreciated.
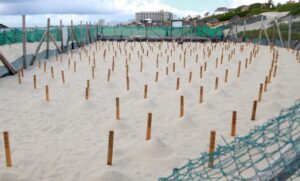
point(269, 152)
point(14, 35)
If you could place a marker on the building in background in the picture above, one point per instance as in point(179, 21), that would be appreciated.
point(155, 16)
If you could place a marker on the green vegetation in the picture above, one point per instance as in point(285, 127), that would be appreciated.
point(257, 8)
point(284, 32)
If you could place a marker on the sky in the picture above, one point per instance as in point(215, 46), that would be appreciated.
point(114, 11)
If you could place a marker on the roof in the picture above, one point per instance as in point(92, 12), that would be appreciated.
point(2, 26)
point(221, 9)
point(212, 20)
point(235, 18)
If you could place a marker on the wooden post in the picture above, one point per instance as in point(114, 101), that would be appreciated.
point(141, 67)
point(34, 81)
point(93, 72)
point(201, 72)
point(216, 83)
point(52, 72)
point(48, 37)
point(156, 77)
point(63, 76)
point(190, 77)
point(254, 110)
point(174, 67)
point(19, 77)
point(118, 108)
point(145, 91)
point(233, 124)
point(201, 94)
point(239, 70)
point(226, 75)
point(24, 41)
point(110, 147)
point(275, 70)
point(177, 83)
point(260, 92)
point(47, 93)
point(290, 32)
point(266, 84)
point(181, 106)
point(61, 35)
point(212, 148)
point(88, 83)
point(149, 122)
point(7, 149)
point(127, 83)
point(87, 93)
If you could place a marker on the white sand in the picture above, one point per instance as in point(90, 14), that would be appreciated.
point(66, 138)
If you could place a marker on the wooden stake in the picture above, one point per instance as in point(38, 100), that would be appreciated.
point(266, 84)
point(201, 72)
point(156, 77)
point(174, 67)
point(239, 70)
point(149, 122)
point(22, 72)
point(145, 91)
point(275, 70)
point(226, 75)
point(181, 106)
point(110, 147)
point(63, 76)
point(127, 83)
point(93, 72)
point(216, 83)
point(190, 77)
point(7, 149)
point(19, 77)
point(87, 93)
point(34, 81)
point(47, 93)
point(201, 94)
point(118, 108)
point(39, 64)
point(212, 148)
point(141, 67)
point(260, 92)
point(88, 83)
point(177, 83)
point(52, 72)
point(254, 110)
point(233, 124)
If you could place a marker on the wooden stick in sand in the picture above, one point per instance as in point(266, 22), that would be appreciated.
point(7, 149)
point(149, 122)
point(118, 108)
point(254, 110)
point(110, 147)
point(233, 123)
point(181, 106)
point(212, 143)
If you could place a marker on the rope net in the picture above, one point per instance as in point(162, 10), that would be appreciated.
point(269, 152)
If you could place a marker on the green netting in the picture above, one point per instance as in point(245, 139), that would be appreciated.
point(35, 34)
point(269, 152)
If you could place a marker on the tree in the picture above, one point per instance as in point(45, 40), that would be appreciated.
point(270, 4)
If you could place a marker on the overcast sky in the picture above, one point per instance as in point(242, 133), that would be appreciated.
point(37, 11)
